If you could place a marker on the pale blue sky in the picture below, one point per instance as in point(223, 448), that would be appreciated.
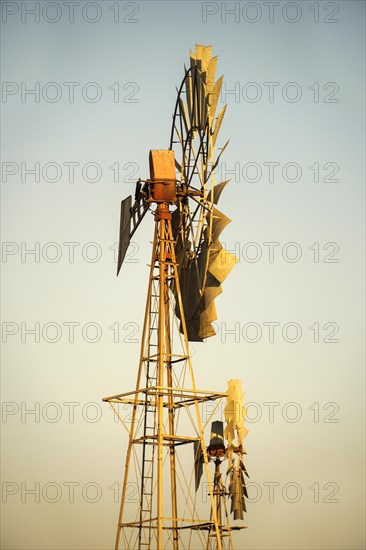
point(150, 53)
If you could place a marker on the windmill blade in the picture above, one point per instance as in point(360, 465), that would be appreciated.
point(203, 102)
point(199, 307)
point(210, 78)
point(219, 222)
point(202, 59)
point(212, 291)
point(188, 90)
point(215, 193)
point(201, 92)
point(244, 469)
point(237, 488)
point(215, 164)
point(218, 124)
point(235, 413)
point(221, 263)
point(215, 96)
point(209, 314)
point(131, 217)
point(190, 292)
point(205, 330)
point(198, 55)
point(184, 114)
point(206, 58)
point(237, 491)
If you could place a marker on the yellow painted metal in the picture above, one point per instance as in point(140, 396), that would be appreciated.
point(211, 73)
point(167, 396)
point(235, 412)
point(206, 57)
point(222, 263)
point(160, 376)
point(215, 96)
point(218, 124)
point(133, 420)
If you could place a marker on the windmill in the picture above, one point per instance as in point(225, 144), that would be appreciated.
point(161, 506)
point(234, 431)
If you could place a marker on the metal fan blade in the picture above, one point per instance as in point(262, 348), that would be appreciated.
point(188, 89)
point(203, 103)
point(216, 163)
point(199, 309)
point(219, 222)
point(190, 291)
point(235, 413)
point(237, 492)
point(243, 484)
point(199, 101)
point(235, 495)
point(209, 314)
point(197, 95)
point(215, 96)
point(221, 263)
point(213, 289)
point(229, 431)
point(244, 469)
point(206, 330)
point(218, 124)
point(211, 72)
point(192, 330)
point(184, 115)
point(217, 190)
point(206, 57)
point(243, 480)
point(131, 217)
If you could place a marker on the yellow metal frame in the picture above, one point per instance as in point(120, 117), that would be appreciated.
point(165, 395)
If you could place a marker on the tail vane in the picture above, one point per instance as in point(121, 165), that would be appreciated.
point(198, 463)
point(131, 217)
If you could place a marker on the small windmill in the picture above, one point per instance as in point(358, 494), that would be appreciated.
point(234, 432)
point(188, 266)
